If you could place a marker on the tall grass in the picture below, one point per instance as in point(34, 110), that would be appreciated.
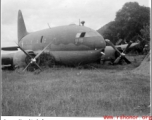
point(70, 91)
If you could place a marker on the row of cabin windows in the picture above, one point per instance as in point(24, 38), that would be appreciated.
point(42, 40)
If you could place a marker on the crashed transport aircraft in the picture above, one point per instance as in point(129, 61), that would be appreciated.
point(70, 45)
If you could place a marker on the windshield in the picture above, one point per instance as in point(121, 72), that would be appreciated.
point(87, 34)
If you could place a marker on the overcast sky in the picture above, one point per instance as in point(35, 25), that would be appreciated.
point(38, 13)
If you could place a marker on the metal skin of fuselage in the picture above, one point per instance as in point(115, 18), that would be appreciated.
point(63, 38)
point(65, 47)
point(70, 44)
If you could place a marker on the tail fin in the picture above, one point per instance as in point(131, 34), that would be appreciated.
point(21, 26)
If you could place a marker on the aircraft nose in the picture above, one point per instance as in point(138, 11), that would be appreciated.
point(100, 43)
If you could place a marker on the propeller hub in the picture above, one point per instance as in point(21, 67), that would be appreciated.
point(102, 53)
point(122, 54)
point(33, 60)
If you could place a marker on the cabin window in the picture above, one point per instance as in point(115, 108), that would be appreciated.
point(80, 40)
point(76, 40)
point(41, 39)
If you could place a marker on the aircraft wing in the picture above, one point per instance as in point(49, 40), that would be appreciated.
point(14, 57)
point(125, 45)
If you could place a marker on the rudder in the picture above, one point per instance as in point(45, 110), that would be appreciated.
point(21, 26)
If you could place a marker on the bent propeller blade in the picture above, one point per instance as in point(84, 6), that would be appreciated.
point(126, 60)
point(43, 50)
point(112, 45)
point(38, 66)
point(117, 60)
point(23, 50)
point(127, 46)
point(26, 67)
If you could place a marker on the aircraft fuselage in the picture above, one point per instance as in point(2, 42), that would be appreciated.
point(64, 38)
point(71, 44)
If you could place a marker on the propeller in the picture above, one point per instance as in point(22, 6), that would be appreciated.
point(121, 54)
point(32, 58)
point(127, 47)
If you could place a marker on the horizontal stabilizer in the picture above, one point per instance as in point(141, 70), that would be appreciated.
point(13, 48)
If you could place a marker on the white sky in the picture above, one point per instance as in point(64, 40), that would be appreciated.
point(37, 13)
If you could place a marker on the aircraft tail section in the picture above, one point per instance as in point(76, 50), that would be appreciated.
point(21, 26)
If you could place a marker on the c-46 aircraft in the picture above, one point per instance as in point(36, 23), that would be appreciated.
point(70, 45)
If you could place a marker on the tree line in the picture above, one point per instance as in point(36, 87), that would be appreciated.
point(132, 23)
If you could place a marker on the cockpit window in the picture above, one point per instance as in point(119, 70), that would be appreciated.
point(87, 34)
point(80, 35)
point(92, 34)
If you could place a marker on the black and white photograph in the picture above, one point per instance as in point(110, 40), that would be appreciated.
point(76, 58)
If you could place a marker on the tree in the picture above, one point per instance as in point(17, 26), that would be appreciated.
point(145, 32)
point(132, 18)
point(130, 22)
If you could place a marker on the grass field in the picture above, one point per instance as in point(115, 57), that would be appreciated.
point(81, 91)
